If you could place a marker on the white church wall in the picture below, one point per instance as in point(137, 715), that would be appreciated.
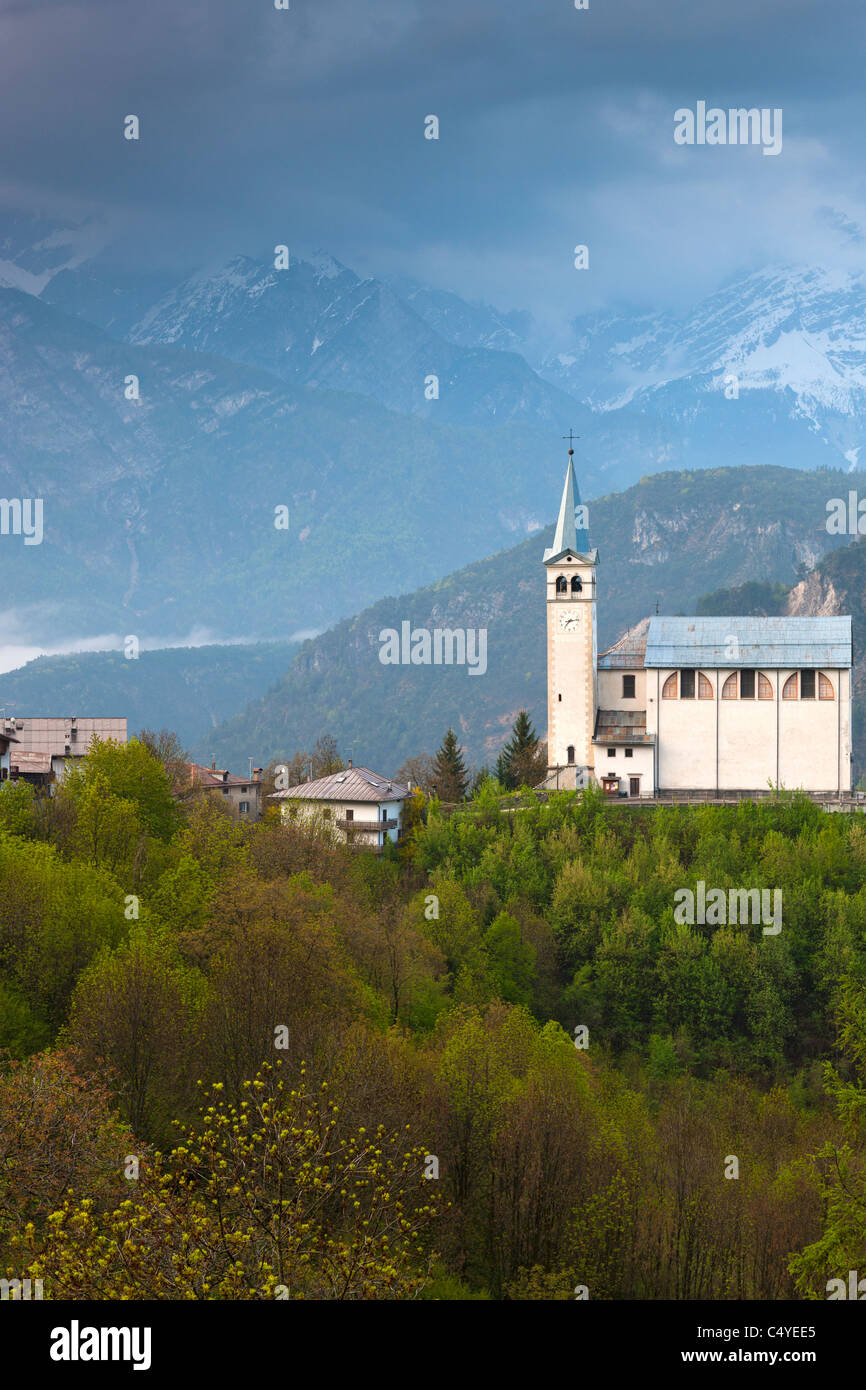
point(747, 741)
point(814, 738)
point(686, 734)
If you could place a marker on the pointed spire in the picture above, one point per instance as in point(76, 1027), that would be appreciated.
point(568, 535)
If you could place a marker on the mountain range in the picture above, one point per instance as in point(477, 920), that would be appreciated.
point(253, 454)
point(160, 511)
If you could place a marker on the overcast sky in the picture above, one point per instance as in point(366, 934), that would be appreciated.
point(306, 127)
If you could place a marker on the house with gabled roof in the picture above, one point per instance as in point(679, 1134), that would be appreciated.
point(362, 807)
point(242, 794)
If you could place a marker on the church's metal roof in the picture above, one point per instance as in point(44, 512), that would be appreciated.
point(621, 726)
point(774, 642)
point(627, 654)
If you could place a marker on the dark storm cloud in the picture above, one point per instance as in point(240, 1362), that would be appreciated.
point(556, 126)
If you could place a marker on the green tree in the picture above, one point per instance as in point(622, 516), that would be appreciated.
point(17, 800)
point(450, 778)
point(107, 830)
point(523, 760)
point(133, 1018)
point(841, 1169)
point(133, 773)
point(183, 895)
point(55, 915)
point(512, 960)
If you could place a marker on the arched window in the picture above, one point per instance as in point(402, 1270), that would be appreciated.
point(765, 687)
point(570, 754)
point(669, 689)
point(729, 689)
point(825, 687)
point(576, 585)
point(790, 690)
point(561, 584)
point(705, 689)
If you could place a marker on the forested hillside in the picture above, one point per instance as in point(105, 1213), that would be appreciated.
point(187, 689)
point(493, 1064)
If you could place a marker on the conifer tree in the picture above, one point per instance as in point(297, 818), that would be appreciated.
point(450, 778)
point(523, 760)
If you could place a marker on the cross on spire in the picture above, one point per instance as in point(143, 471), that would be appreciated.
point(571, 436)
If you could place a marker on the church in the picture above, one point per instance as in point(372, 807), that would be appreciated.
point(712, 705)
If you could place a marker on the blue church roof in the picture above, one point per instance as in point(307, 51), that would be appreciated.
point(773, 642)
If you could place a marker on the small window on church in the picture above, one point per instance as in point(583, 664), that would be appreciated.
point(687, 685)
point(570, 753)
point(729, 689)
point(825, 687)
point(765, 687)
point(705, 689)
point(807, 685)
point(789, 689)
point(576, 586)
point(559, 698)
point(628, 687)
point(747, 685)
point(561, 584)
point(669, 689)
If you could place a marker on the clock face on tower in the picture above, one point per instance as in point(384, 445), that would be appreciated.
point(569, 622)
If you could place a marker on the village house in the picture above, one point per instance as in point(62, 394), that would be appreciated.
point(364, 808)
point(687, 703)
point(39, 750)
point(243, 794)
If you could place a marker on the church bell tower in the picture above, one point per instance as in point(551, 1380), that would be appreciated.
point(570, 568)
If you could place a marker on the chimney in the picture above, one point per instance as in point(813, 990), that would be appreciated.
point(349, 763)
point(213, 764)
point(257, 774)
